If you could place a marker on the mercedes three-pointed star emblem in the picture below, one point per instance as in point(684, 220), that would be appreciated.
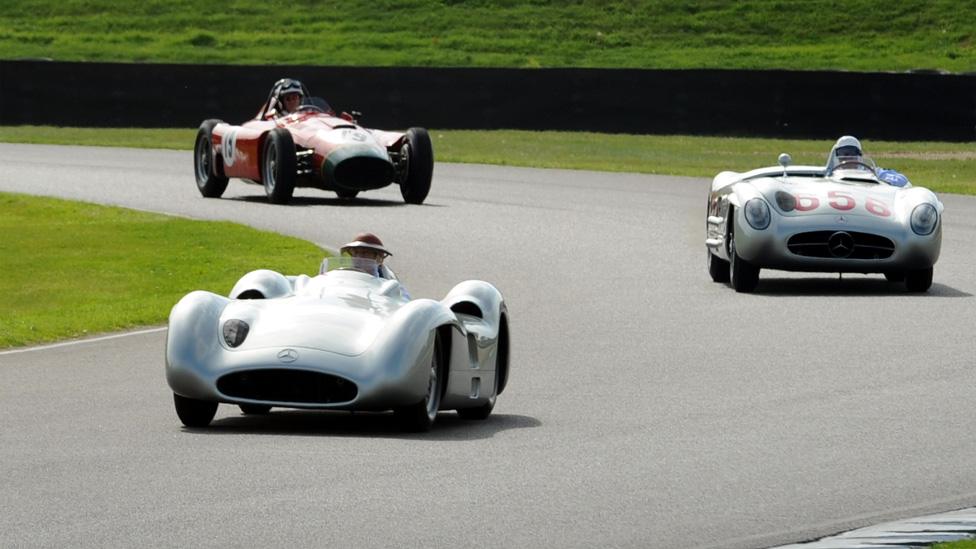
point(288, 355)
point(840, 244)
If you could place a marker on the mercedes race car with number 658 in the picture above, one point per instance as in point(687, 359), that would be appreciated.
point(310, 146)
point(349, 338)
point(849, 217)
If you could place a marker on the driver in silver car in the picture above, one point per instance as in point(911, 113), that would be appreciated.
point(847, 154)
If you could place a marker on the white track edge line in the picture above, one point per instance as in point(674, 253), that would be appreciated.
point(80, 341)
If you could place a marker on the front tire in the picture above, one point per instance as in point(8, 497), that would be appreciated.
point(193, 412)
point(419, 154)
point(420, 417)
point(346, 194)
point(894, 276)
point(254, 409)
point(744, 275)
point(279, 166)
point(718, 268)
point(918, 280)
point(209, 183)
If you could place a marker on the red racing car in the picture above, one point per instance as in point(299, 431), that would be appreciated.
point(310, 146)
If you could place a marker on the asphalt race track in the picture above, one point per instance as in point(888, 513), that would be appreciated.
point(647, 405)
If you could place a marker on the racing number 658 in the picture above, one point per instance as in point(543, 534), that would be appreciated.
point(840, 200)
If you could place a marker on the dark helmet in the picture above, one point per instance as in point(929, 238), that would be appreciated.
point(284, 87)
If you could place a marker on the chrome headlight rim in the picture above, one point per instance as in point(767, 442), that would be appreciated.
point(757, 213)
point(924, 219)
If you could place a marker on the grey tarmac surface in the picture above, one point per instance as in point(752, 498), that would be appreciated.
point(647, 406)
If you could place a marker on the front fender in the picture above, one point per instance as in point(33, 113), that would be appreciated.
point(193, 339)
point(269, 284)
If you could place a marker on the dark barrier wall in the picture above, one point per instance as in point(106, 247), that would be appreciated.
point(897, 106)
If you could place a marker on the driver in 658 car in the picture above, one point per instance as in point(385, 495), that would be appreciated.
point(847, 154)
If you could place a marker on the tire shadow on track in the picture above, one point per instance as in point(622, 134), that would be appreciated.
point(448, 427)
point(859, 287)
point(305, 201)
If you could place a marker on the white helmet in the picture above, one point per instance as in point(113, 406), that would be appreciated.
point(846, 148)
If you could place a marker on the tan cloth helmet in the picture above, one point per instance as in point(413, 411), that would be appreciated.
point(365, 240)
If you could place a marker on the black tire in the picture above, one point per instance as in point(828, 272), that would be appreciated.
point(193, 412)
point(895, 276)
point(279, 166)
point(254, 409)
point(346, 194)
point(918, 280)
point(743, 275)
point(718, 268)
point(205, 166)
point(419, 155)
point(420, 417)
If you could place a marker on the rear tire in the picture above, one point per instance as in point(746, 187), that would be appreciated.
point(718, 268)
point(918, 280)
point(279, 166)
point(254, 409)
point(193, 412)
point(420, 417)
point(205, 166)
point(419, 154)
point(744, 275)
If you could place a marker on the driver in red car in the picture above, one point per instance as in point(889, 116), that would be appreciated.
point(286, 97)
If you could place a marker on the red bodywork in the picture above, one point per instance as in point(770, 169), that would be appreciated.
point(320, 132)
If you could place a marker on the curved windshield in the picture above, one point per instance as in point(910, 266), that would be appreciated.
point(348, 263)
point(854, 167)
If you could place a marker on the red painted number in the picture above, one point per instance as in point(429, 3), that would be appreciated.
point(806, 202)
point(840, 200)
point(877, 207)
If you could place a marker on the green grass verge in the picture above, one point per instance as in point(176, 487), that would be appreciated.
point(942, 167)
point(814, 34)
point(72, 269)
point(964, 544)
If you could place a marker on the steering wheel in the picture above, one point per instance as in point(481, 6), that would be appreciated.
point(853, 165)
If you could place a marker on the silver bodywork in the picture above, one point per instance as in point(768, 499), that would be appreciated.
point(358, 336)
point(844, 221)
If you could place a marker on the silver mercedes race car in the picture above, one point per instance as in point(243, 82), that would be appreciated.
point(349, 338)
point(841, 218)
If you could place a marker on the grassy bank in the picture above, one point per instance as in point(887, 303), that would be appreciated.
point(943, 167)
point(72, 269)
point(816, 34)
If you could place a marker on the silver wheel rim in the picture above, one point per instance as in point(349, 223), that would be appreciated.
point(270, 168)
point(203, 161)
point(433, 396)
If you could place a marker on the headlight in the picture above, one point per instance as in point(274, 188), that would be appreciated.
point(785, 201)
point(235, 331)
point(924, 219)
point(757, 213)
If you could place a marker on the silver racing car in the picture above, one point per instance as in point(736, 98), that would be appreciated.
point(847, 217)
point(349, 338)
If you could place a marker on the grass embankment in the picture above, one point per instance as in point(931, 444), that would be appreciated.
point(964, 544)
point(942, 167)
point(72, 269)
point(865, 35)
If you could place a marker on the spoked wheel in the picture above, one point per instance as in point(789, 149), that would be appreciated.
point(209, 183)
point(418, 154)
point(718, 268)
point(744, 275)
point(193, 412)
point(254, 409)
point(279, 166)
point(918, 280)
point(420, 416)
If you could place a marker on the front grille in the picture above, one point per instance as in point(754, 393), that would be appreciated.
point(282, 385)
point(818, 244)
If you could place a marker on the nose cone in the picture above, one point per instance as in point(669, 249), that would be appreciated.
point(358, 167)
